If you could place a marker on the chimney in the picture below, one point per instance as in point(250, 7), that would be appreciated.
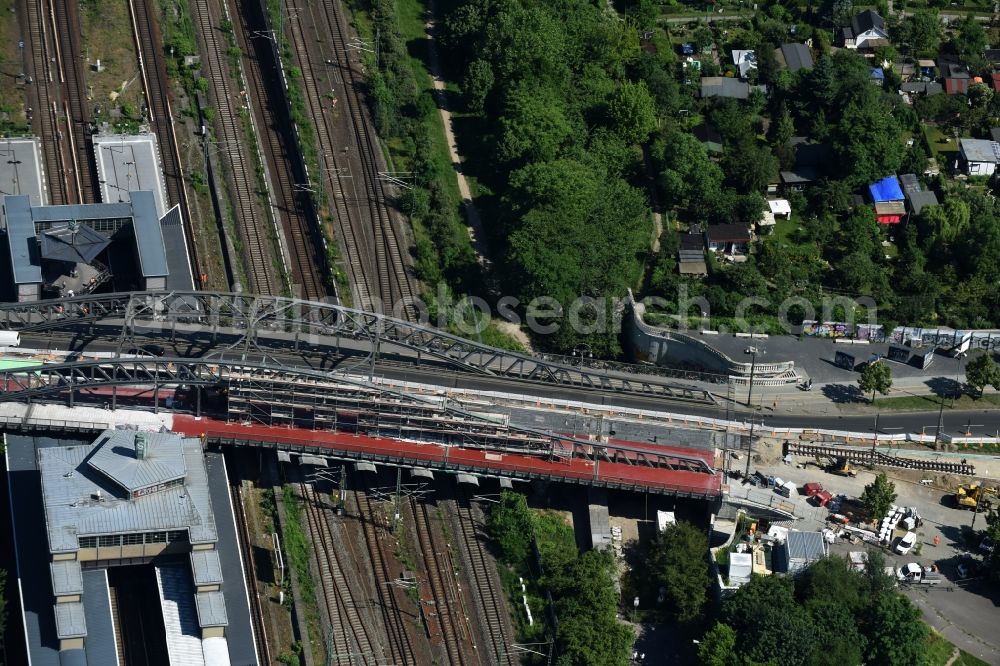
point(140, 446)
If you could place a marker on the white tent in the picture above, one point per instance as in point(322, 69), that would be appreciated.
point(779, 207)
point(740, 568)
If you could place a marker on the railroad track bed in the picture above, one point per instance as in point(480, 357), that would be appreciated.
point(441, 602)
point(373, 235)
point(65, 17)
point(353, 632)
point(397, 611)
point(869, 457)
point(250, 571)
point(286, 179)
point(251, 219)
point(481, 573)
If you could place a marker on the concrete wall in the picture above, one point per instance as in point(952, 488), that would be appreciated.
point(660, 346)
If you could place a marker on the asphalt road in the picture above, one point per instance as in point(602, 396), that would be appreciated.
point(984, 421)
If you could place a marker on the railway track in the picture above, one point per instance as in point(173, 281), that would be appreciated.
point(353, 636)
point(483, 576)
point(336, 177)
point(447, 602)
point(66, 28)
point(250, 571)
point(868, 457)
point(278, 146)
point(250, 219)
point(154, 77)
point(45, 109)
point(400, 647)
point(374, 245)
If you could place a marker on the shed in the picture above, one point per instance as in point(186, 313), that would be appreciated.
point(980, 156)
point(744, 61)
point(889, 212)
point(802, 549)
point(780, 207)
point(920, 200)
point(794, 56)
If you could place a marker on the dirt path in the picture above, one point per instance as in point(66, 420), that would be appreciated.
point(475, 224)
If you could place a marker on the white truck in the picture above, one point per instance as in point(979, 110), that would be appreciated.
point(10, 339)
point(915, 574)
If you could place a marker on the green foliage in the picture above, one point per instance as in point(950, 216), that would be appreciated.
point(879, 495)
point(982, 371)
point(632, 112)
point(582, 586)
point(921, 31)
point(898, 636)
point(877, 376)
point(830, 614)
point(677, 561)
point(509, 524)
point(589, 633)
point(718, 647)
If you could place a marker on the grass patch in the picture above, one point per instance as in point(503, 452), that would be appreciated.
point(939, 141)
point(940, 649)
point(116, 91)
point(931, 402)
point(13, 121)
point(299, 549)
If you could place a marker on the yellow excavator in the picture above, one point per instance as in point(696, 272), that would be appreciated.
point(969, 496)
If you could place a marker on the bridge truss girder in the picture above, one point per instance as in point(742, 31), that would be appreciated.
point(254, 317)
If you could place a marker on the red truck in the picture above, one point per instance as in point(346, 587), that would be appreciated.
point(812, 489)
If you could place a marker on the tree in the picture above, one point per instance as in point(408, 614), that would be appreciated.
point(750, 166)
point(921, 31)
point(982, 371)
point(718, 647)
point(677, 562)
point(509, 524)
point(632, 112)
point(878, 496)
point(898, 634)
point(533, 127)
point(877, 376)
point(769, 622)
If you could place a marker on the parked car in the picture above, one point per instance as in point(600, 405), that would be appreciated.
point(822, 498)
point(811, 489)
point(967, 569)
point(906, 542)
point(834, 504)
point(987, 545)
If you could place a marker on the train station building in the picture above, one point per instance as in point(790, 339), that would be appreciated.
point(128, 517)
point(129, 241)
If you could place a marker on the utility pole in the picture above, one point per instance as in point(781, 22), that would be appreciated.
point(750, 446)
point(875, 439)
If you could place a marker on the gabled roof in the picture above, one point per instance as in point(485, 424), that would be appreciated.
point(796, 56)
point(980, 150)
point(920, 200)
point(867, 20)
point(728, 233)
point(910, 183)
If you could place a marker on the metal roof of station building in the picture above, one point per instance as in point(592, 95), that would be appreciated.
point(206, 568)
point(67, 577)
point(71, 621)
point(211, 609)
point(116, 457)
point(80, 501)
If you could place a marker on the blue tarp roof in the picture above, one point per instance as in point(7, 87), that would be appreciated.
point(878, 73)
point(886, 189)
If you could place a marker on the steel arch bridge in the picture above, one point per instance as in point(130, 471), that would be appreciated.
point(291, 321)
point(31, 382)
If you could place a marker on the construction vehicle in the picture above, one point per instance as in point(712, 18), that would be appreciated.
point(969, 496)
point(841, 467)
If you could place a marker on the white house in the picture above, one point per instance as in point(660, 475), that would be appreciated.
point(744, 61)
point(867, 31)
point(979, 156)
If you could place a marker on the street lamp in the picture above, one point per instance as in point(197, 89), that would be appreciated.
point(582, 351)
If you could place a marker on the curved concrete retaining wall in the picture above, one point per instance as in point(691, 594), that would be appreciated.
point(662, 346)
